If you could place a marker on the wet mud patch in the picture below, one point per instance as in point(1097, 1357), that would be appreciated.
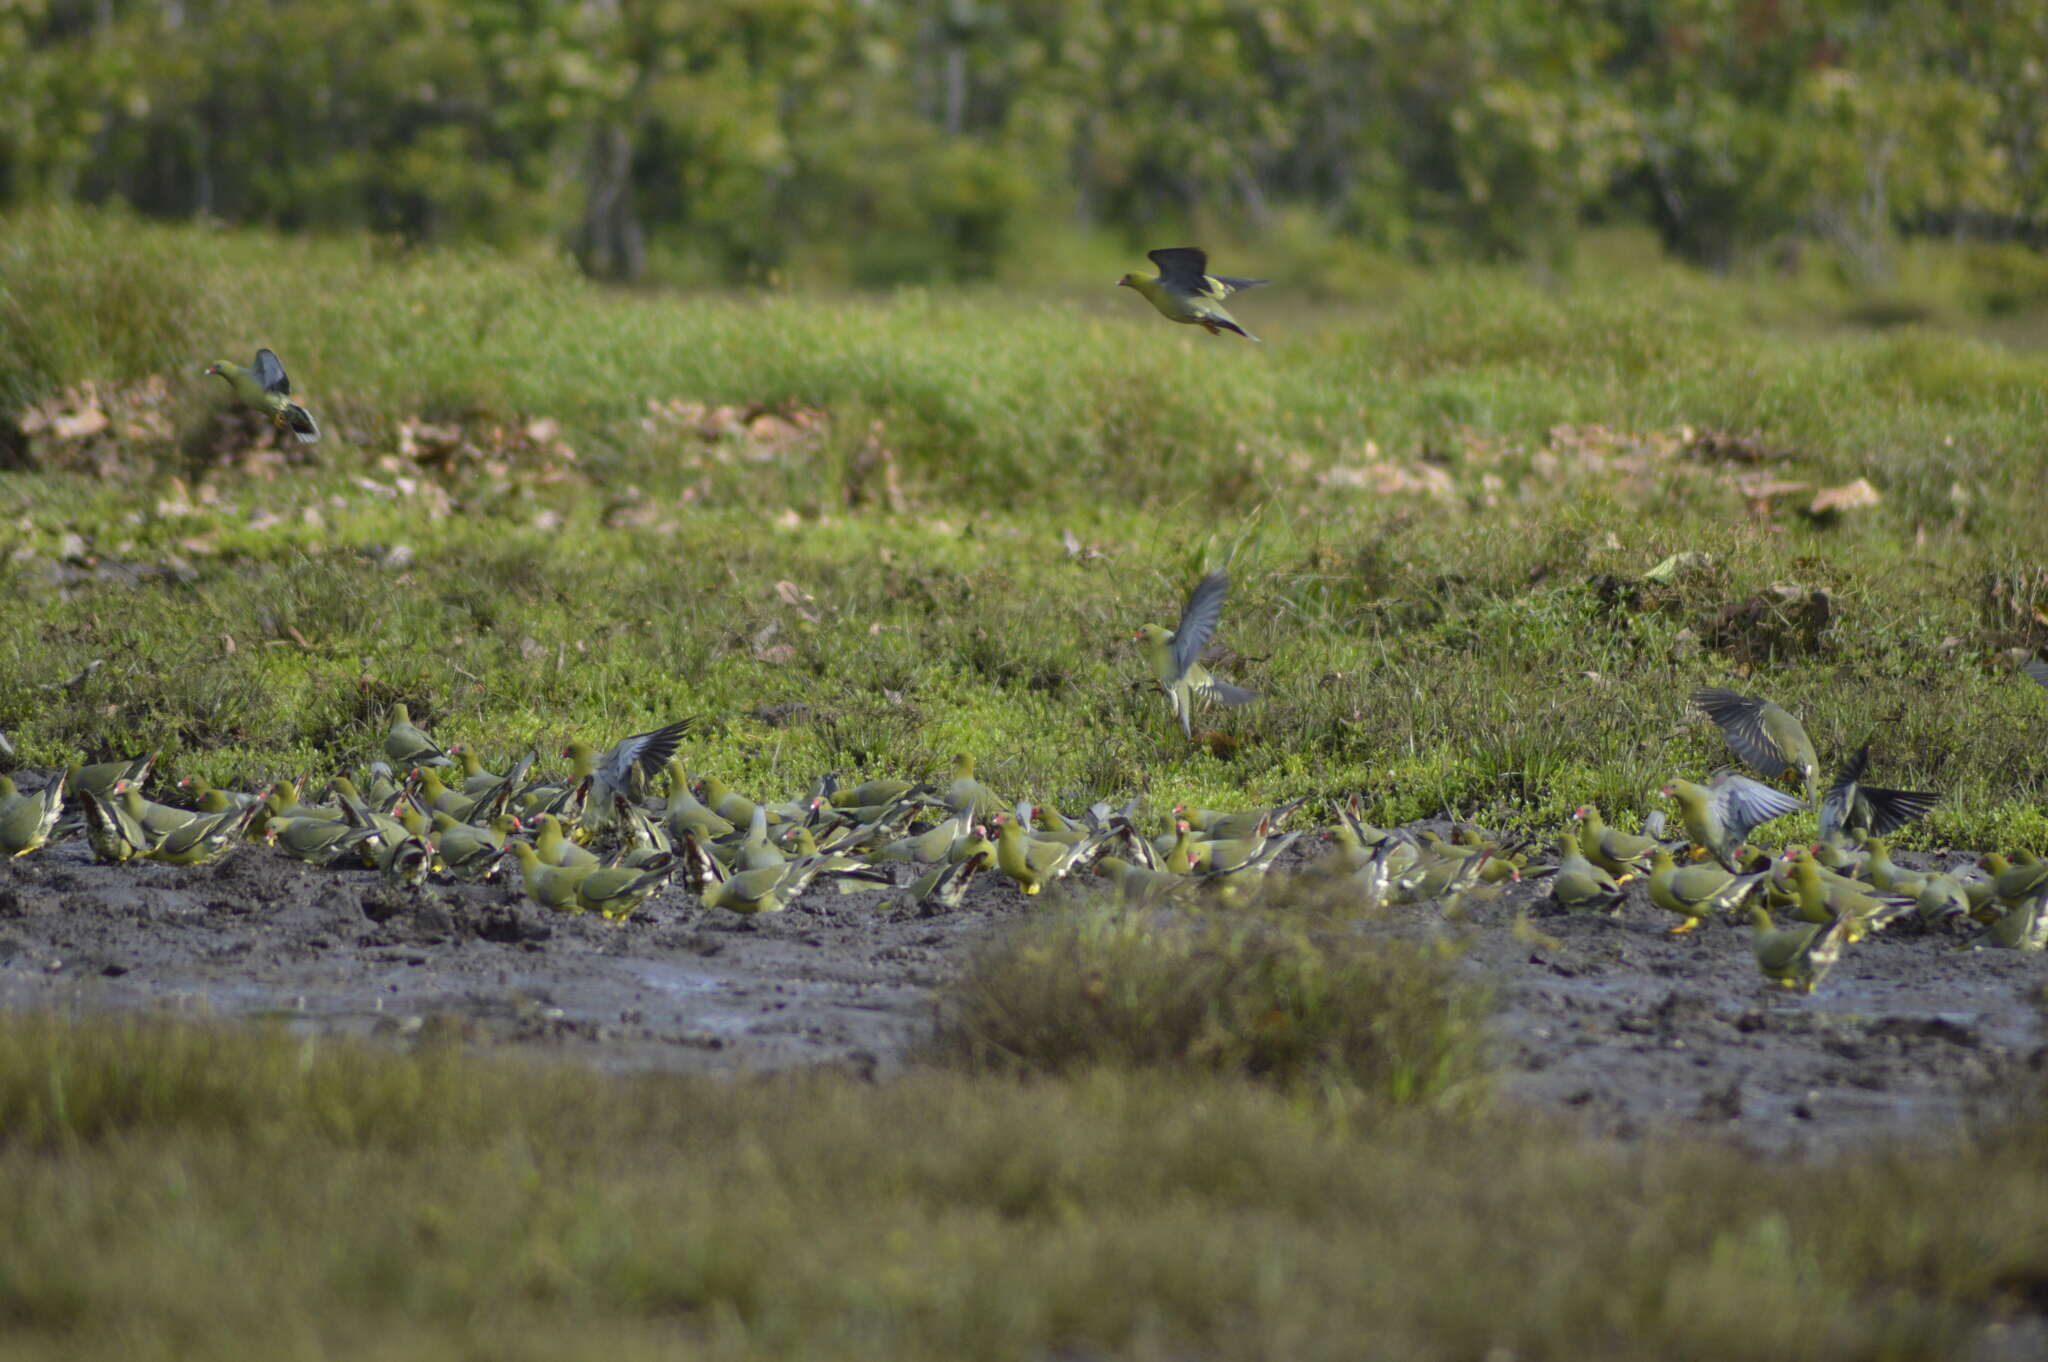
point(838, 979)
point(1637, 1031)
point(1612, 1021)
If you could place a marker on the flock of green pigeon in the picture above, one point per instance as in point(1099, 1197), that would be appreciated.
point(599, 839)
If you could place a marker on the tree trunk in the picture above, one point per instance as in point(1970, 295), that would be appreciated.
point(610, 244)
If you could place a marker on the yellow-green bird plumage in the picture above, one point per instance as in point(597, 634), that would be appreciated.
point(1185, 291)
point(1861, 913)
point(206, 838)
point(1721, 814)
point(1694, 892)
point(1615, 851)
point(1031, 864)
point(546, 886)
point(27, 820)
point(616, 891)
point(263, 387)
point(1794, 957)
point(751, 891)
point(1580, 886)
point(408, 745)
point(1762, 734)
point(1173, 653)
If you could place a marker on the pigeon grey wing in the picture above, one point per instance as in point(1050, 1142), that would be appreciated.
point(1741, 721)
point(1198, 620)
point(1279, 811)
point(1834, 809)
point(1139, 845)
point(1841, 796)
point(1825, 947)
point(650, 751)
point(1180, 267)
point(1100, 815)
point(1891, 810)
point(270, 373)
point(2038, 670)
point(1736, 892)
point(1891, 907)
point(1743, 804)
point(613, 767)
point(519, 769)
point(1232, 284)
point(1351, 820)
point(949, 887)
point(1227, 693)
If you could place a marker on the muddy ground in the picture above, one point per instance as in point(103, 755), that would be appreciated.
point(1612, 1020)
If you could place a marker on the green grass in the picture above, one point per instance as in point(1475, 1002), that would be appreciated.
point(192, 1192)
point(1442, 498)
point(1334, 1014)
point(1487, 647)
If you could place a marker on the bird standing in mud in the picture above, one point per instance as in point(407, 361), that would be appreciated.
point(1696, 892)
point(1173, 653)
point(1618, 853)
point(408, 745)
point(264, 388)
point(1580, 886)
point(1721, 814)
point(27, 820)
point(1185, 291)
point(1794, 957)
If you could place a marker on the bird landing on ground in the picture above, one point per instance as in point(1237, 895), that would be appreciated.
point(1174, 652)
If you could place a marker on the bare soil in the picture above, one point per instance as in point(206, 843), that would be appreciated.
point(1639, 1030)
point(1633, 1030)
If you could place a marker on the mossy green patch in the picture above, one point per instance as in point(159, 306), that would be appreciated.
point(865, 533)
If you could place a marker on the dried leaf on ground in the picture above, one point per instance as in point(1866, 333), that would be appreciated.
point(1854, 496)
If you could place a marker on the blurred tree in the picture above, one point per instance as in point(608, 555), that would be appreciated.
point(909, 139)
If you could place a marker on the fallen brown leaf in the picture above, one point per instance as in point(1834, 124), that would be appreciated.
point(1854, 496)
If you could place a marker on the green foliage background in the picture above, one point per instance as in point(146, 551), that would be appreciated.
point(902, 141)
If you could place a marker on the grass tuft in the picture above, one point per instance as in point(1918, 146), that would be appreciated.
point(1331, 1012)
point(63, 1085)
